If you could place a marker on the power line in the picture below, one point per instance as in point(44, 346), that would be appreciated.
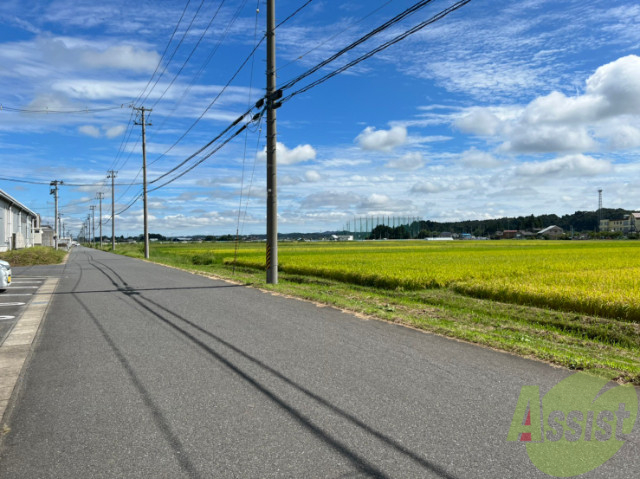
point(402, 15)
point(127, 135)
point(239, 69)
point(184, 35)
point(166, 48)
point(246, 137)
point(61, 112)
point(208, 155)
point(193, 50)
point(256, 117)
point(294, 13)
point(131, 203)
point(369, 54)
point(125, 139)
point(47, 182)
point(332, 37)
point(199, 73)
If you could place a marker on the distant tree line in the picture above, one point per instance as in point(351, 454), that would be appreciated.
point(580, 221)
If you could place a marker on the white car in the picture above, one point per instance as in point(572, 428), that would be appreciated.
point(5, 275)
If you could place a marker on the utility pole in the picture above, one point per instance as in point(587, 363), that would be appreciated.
point(272, 185)
point(99, 197)
point(112, 175)
point(144, 179)
point(92, 224)
point(54, 191)
point(89, 229)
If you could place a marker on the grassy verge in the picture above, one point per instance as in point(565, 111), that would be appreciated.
point(603, 346)
point(33, 256)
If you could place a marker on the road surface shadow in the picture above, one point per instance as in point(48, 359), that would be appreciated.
point(356, 460)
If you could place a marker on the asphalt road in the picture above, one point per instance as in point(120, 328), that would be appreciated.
point(145, 371)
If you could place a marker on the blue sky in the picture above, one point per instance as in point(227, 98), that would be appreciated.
point(501, 108)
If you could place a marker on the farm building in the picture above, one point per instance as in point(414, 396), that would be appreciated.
point(509, 234)
point(17, 224)
point(551, 232)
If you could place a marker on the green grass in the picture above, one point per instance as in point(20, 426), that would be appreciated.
point(606, 346)
point(33, 256)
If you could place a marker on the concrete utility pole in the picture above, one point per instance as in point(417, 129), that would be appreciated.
point(112, 175)
point(89, 229)
point(92, 224)
point(99, 197)
point(60, 225)
point(272, 185)
point(144, 179)
point(54, 191)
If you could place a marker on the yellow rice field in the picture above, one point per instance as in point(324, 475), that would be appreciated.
point(593, 277)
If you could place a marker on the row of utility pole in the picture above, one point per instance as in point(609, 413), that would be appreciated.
point(272, 197)
point(58, 228)
point(272, 95)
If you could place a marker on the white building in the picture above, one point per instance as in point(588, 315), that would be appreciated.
point(341, 237)
point(17, 224)
point(629, 224)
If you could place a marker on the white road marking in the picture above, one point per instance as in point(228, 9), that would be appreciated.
point(6, 318)
point(12, 304)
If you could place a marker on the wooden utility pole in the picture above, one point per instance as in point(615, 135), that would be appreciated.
point(272, 185)
point(144, 179)
point(112, 175)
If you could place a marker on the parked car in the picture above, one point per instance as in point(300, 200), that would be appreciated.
point(5, 275)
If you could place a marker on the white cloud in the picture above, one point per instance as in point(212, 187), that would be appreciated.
point(114, 131)
point(97, 89)
point(408, 162)
point(566, 166)
point(312, 176)
point(479, 121)
point(124, 57)
point(542, 138)
point(90, 130)
point(427, 187)
point(617, 86)
point(329, 199)
point(375, 200)
point(285, 156)
point(382, 140)
point(622, 137)
point(474, 158)
point(604, 115)
point(67, 52)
